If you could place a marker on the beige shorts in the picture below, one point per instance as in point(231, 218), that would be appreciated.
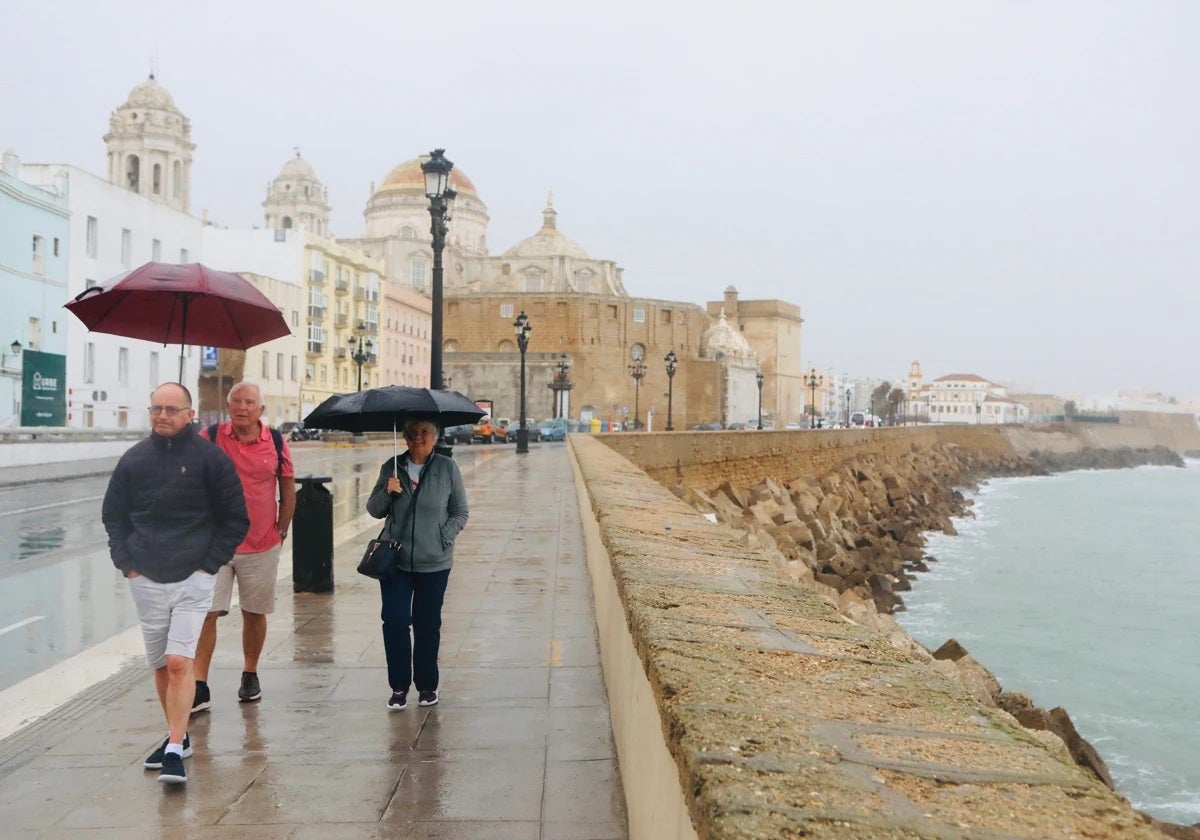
point(257, 573)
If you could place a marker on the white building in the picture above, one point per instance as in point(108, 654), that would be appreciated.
point(963, 398)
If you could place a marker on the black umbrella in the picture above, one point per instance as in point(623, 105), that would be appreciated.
point(386, 408)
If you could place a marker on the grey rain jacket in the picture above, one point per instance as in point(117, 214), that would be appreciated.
point(427, 529)
point(174, 505)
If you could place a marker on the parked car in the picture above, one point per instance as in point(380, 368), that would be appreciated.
point(530, 426)
point(552, 431)
point(488, 430)
point(457, 434)
point(294, 430)
point(707, 427)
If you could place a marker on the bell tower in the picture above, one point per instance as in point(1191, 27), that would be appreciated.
point(150, 146)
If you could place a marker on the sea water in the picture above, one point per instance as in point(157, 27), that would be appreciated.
point(1081, 590)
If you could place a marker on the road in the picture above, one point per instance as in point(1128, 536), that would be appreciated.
point(59, 592)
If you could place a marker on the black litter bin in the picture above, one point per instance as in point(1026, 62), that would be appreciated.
point(312, 535)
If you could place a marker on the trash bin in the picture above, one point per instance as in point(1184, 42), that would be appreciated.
point(312, 535)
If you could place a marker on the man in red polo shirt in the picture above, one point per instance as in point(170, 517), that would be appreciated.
point(262, 468)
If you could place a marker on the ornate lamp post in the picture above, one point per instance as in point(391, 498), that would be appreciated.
point(672, 363)
point(361, 350)
point(441, 203)
point(638, 371)
point(812, 380)
point(560, 386)
point(522, 329)
point(759, 378)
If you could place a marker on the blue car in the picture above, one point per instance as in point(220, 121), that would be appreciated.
point(552, 431)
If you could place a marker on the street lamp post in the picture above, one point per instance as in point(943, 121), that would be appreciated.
point(847, 408)
point(759, 378)
point(813, 379)
point(638, 371)
point(561, 386)
point(522, 329)
point(672, 362)
point(441, 203)
point(361, 350)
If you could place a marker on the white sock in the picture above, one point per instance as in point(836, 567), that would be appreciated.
point(175, 748)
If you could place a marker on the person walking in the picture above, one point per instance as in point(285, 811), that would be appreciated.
point(423, 497)
point(264, 464)
point(174, 513)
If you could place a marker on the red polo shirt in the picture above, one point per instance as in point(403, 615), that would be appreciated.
point(256, 465)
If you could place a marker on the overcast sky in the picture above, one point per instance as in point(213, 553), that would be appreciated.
point(1007, 189)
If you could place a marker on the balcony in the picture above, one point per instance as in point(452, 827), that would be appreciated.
point(366, 295)
point(341, 286)
point(316, 313)
point(315, 348)
point(316, 278)
point(341, 320)
point(340, 353)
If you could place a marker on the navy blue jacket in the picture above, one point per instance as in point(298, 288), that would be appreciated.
point(174, 505)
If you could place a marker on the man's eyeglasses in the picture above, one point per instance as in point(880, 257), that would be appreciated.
point(169, 410)
point(412, 434)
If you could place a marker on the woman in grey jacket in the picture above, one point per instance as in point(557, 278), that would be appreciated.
point(424, 496)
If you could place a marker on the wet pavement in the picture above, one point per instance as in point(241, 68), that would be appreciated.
point(520, 746)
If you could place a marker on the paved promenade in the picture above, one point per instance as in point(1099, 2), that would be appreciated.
point(520, 747)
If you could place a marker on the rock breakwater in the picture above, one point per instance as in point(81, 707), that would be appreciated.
point(856, 534)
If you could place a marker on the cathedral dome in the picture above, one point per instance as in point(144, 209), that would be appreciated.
point(298, 169)
point(549, 241)
point(724, 339)
point(150, 94)
point(408, 177)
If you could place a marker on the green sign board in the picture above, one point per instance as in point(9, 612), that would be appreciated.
point(43, 389)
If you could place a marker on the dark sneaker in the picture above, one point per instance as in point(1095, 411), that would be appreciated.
point(427, 698)
point(172, 772)
point(399, 701)
point(250, 690)
point(155, 760)
point(203, 698)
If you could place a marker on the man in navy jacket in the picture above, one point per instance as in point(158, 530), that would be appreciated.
point(174, 513)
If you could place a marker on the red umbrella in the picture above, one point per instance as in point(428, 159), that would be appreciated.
point(189, 303)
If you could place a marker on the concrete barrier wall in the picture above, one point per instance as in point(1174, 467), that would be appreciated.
point(745, 706)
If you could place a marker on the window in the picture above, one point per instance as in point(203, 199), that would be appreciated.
point(183, 255)
point(177, 179)
point(39, 254)
point(92, 235)
point(157, 179)
point(279, 366)
point(154, 369)
point(639, 314)
point(89, 362)
point(295, 373)
point(126, 246)
point(266, 364)
point(418, 272)
point(506, 310)
point(156, 247)
point(56, 246)
point(123, 365)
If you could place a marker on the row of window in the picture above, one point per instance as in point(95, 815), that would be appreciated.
point(93, 245)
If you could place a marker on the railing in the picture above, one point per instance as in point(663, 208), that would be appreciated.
point(339, 352)
point(341, 320)
point(316, 348)
point(341, 287)
point(63, 433)
point(316, 278)
point(316, 313)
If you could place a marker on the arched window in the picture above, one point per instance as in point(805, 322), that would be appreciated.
point(157, 182)
point(450, 345)
point(407, 232)
point(287, 222)
point(507, 346)
point(133, 172)
point(177, 179)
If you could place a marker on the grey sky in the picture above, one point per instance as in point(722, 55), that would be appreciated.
point(1008, 189)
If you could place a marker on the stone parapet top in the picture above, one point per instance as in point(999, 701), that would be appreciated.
point(786, 719)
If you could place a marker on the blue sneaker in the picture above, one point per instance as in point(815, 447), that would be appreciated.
point(155, 759)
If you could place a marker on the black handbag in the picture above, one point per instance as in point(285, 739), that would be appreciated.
point(382, 558)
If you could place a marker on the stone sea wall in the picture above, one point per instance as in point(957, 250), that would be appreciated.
point(771, 630)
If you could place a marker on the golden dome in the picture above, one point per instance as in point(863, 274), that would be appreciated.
point(408, 177)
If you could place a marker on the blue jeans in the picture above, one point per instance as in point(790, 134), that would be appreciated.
point(413, 598)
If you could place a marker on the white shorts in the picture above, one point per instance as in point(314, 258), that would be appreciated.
point(172, 614)
point(257, 574)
